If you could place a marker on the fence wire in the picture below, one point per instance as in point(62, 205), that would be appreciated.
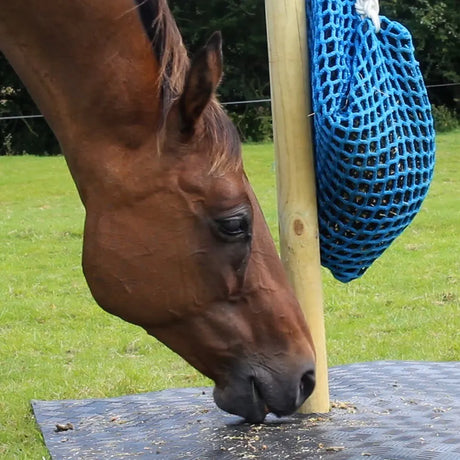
point(251, 101)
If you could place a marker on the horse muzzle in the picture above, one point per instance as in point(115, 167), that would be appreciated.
point(252, 395)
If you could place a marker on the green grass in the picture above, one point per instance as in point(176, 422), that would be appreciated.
point(55, 343)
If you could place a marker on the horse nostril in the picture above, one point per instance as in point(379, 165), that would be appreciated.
point(307, 383)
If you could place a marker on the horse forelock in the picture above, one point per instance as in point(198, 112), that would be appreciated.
point(225, 142)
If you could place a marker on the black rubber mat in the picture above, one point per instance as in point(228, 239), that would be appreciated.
point(380, 410)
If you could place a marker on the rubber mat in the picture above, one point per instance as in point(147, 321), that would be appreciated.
point(380, 410)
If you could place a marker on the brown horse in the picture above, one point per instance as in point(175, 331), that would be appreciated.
point(174, 239)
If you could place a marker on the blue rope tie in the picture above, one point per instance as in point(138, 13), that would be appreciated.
point(374, 136)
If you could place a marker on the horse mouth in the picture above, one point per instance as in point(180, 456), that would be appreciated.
point(250, 405)
point(245, 400)
point(259, 408)
point(253, 396)
point(258, 402)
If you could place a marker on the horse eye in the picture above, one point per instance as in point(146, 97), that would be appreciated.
point(235, 227)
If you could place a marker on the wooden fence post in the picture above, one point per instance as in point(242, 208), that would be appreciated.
point(299, 239)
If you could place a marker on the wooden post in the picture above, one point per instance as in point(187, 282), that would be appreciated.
point(299, 240)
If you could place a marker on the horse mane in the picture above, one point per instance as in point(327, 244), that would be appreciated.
point(169, 49)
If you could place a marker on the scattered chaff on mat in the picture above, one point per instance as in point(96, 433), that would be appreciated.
point(398, 410)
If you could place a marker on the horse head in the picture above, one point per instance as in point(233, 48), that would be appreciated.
point(174, 238)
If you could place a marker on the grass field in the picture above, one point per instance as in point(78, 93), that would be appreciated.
point(55, 343)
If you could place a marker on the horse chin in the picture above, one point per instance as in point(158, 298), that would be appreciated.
point(245, 401)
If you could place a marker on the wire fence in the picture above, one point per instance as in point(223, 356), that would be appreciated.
point(251, 101)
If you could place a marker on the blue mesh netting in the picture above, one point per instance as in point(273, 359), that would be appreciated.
point(374, 137)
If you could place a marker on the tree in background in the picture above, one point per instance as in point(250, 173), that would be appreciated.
point(20, 136)
point(246, 77)
point(435, 26)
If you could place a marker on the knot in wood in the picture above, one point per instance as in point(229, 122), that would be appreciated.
point(298, 227)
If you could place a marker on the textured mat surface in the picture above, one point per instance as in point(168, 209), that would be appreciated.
point(381, 410)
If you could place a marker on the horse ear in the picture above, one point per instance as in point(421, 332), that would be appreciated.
point(201, 82)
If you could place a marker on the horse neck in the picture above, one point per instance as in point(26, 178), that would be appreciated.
point(92, 73)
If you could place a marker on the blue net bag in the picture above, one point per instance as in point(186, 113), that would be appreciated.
point(374, 136)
